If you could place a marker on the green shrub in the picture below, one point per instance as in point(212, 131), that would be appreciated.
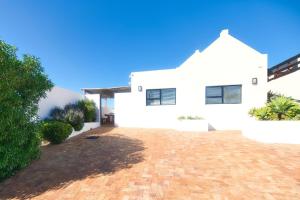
point(297, 117)
point(89, 110)
point(263, 113)
point(194, 118)
point(55, 131)
point(181, 118)
point(279, 108)
point(189, 118)
point(74, 116)
point(57, 114)
point(22, 84)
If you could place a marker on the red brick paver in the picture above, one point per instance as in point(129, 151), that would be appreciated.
point(147, 164)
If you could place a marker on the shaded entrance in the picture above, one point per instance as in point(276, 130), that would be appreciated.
point(106, 114)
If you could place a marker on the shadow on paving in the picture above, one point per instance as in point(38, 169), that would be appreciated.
point(74, 160)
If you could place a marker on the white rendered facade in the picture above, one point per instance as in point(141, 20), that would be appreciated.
point(227, 61)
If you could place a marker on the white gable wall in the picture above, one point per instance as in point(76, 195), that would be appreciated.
point(226, 61)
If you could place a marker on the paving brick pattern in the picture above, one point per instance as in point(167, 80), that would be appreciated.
point(144, 164)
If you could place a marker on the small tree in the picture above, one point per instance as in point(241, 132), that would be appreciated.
point(22, 84)
point(89, 109)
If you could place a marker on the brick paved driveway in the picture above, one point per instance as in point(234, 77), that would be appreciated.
point(159, 164)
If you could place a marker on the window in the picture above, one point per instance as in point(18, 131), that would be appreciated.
point(229, 94)
point(161, 97)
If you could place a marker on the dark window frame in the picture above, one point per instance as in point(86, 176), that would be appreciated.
point(160, 104)
point(222, 94)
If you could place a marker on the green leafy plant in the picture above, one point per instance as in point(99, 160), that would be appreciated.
point(181, 118)
point(279, 108)
point(297, 117)
point(293, 113)
point(89, 110)
point(22, 84)
point(263, 113)
point(74, 116)
point(55, 131)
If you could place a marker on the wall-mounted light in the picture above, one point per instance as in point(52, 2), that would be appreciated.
point(140, 88)
point(254, 81)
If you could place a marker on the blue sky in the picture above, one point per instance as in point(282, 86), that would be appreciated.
point(98, 43)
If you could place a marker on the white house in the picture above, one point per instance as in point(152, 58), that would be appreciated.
point(220, 84)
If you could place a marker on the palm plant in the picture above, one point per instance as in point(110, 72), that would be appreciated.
point(281, 105)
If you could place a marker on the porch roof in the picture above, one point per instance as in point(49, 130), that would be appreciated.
point(106, 91)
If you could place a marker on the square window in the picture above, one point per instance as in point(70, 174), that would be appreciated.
point(161, 96)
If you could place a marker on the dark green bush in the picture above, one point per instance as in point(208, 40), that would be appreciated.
point(57, 114)
point(22, 84)
point(74, 116)
point(55, 131)
point(89, 110)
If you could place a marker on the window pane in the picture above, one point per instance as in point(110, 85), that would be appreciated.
point(168, 96)
point(213, 91)
point(232, 94)
point(153, 102)
point(153, 94)
point(213, 100)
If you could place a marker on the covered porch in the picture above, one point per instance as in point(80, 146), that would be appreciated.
point(104, 100)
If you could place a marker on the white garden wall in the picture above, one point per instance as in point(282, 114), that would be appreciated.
point(56, 97)
point(87, 126)
point(273, 131)
point(192, 125)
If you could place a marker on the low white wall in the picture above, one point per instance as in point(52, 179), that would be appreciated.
point(56, 97)
point(273, 131)
point(87, 126)
point(192, 125)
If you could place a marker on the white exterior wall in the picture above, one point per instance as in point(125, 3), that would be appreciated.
point(286, 85)
point(273, 131)
point(57, 97)
point(226, 61)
